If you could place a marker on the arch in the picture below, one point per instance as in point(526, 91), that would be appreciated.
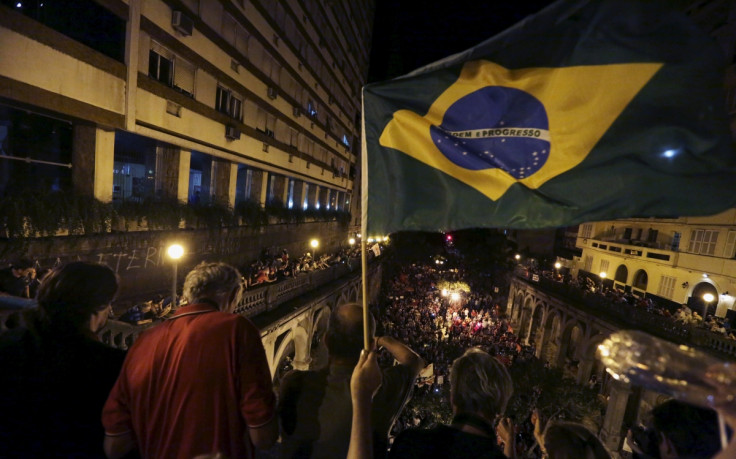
point(696, 301)
point(526, 316)
point(589, 364)
point(551, 338)
point(640, 281)
point(283, 358)
point(622, 274)
point(535, 330)
point(572, 334)
point(518, 301)
point(318, 350)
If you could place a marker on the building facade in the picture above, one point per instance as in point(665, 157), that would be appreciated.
point(195, 100)
point(688, 260)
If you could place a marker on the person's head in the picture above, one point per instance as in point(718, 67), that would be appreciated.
point(22, 267)
point(685, 430)
point(567, 440)
point(213, 281)
point(77, 295)
point(344, 337)
point(479, 384)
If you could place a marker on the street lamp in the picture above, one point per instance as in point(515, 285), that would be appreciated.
point(518, 257)
point(175, 251)
point(602, 275)
point(351, 241)
point(558, 265)
point(314, 243)
point(708, 298)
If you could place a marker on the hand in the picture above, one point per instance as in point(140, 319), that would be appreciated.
point(537, 421)
point(366, 377)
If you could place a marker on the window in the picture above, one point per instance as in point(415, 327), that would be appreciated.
point(703, 241)
point(666, 287)
point(588, 266)
point(229, 103)
point(305, 201)
point(730, 250)
point(134, 168)
point(311, 109)
point(35, 152)
point(652, 235)
point(604, 266)
point(586, 230)
point(161, 64)
point(184, 77)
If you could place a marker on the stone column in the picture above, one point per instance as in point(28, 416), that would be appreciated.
point(324, 198)
point(168, 165)
point(584, 370)
point(221, 173)
point(312, 197)
point(185, 162)
point(302, 365)
point(340, 200)
point(299, 194)
point(93, 160)
point(233, 184)
point(618, 399)
point(280, 189)
point(259, 187)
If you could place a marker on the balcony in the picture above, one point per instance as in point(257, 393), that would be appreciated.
point(634, 249)
point(626, 316)
point(255, 301)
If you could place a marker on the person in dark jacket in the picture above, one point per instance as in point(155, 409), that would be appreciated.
point(56, 375)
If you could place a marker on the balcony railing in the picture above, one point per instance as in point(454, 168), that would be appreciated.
point(255, 301)
point(626, 316)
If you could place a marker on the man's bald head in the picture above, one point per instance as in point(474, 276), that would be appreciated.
point(344, 337)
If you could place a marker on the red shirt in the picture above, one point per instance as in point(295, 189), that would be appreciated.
point(192, 385)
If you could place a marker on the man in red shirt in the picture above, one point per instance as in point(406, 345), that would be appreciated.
point(198, 383)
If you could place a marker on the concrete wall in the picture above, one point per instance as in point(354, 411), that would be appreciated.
point(139, 258)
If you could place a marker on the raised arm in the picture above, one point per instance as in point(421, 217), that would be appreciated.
point(402, 353)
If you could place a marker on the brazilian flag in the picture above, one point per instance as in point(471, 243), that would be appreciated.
point(590, 110)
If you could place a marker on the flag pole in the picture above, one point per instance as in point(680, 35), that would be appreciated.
point(367, 338)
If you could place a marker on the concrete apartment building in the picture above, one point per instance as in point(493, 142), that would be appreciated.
point(195, 101)
point(679, 260)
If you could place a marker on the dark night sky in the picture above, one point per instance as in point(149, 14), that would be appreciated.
point(408, 34)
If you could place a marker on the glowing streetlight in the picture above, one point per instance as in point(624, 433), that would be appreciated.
point(518, 257)
point(175, 252)
point(314, 243)
point(455, 296)
point(603, 275)
point(708, 298)
point(351, 241)
point(444, 292)
point(558, 265)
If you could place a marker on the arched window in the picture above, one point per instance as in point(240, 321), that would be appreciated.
point(622, 274)
point(640, 280)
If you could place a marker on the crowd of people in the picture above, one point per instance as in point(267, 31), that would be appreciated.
point(199, 383)
point(682, 315)
point(276, 264)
